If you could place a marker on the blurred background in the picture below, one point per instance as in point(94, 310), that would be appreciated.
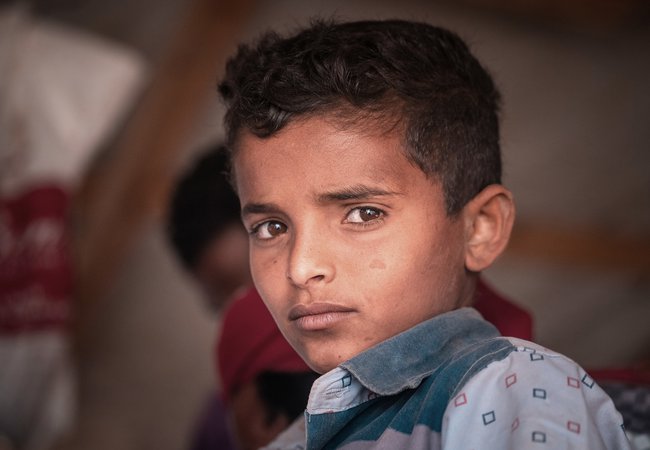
point(576, 146)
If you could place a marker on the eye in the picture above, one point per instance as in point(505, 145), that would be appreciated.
point(269, 229)
point(364, 214)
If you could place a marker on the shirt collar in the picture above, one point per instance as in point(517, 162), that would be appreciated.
point(404, 360)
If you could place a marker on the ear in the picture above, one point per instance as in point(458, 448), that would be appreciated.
point(488, 222)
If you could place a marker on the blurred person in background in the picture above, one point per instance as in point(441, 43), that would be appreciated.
point(205, 229)
point(265, 384)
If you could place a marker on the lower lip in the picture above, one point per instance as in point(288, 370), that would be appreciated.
point(317, 322)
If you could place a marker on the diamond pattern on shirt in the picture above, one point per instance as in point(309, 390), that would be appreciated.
point(574, 427)
point(460, 400)
point(539, 393)
point(573, 382)
point(539, 436)
point(536, 357)
point(515, 424)
point(534, 399)
point(489, 417)
point(588, 381)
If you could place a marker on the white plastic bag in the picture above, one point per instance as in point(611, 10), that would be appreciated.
point(61, 92)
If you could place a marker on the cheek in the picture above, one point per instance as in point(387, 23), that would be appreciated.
point(268, 278)
point(264, 269)
point(411, 267)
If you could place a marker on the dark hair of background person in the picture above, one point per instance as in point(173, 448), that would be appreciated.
point(413, 77)
point(284, 393)
point(203, 204)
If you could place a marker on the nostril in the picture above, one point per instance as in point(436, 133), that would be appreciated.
point(306, 279)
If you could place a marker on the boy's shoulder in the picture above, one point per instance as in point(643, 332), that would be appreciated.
point(533, 396)
point(453, 374)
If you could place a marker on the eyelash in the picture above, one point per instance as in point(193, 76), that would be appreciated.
point(255, 229)
point(380, 216)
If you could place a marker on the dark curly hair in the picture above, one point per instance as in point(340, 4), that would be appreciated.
point(413, 77)
point(202, 205)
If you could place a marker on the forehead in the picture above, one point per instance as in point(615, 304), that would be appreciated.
point(318, 154)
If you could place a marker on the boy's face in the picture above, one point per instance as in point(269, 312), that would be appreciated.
point(350, 243)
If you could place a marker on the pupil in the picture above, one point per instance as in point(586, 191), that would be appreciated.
point(275, 229)
point(368, 214)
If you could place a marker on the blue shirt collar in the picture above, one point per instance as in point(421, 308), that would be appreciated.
point(404, 360)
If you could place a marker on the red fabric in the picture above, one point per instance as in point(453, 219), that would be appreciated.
point(638, 374)
point(251, 343)
point(35, 262)
point(510, 319)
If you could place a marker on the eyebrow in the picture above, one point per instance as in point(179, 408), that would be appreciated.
point(259, 208)
point(356, 192)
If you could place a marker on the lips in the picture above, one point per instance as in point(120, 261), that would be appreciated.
point(318, 316)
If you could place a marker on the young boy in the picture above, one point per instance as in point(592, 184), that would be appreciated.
point(263, 381)
point(366, 158)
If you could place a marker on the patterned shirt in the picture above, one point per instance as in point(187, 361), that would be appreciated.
point(453, 383)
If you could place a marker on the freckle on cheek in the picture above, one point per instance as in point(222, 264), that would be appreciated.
point(377, 264)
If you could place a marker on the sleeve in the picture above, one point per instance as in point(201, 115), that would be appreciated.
point(533, 399)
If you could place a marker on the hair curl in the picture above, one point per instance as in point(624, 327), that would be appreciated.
point(445, 101)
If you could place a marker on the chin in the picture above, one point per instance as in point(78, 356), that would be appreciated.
point(323, 363)
point(318, 366)
point(318, 363)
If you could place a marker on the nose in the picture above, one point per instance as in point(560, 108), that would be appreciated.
point(310, 261)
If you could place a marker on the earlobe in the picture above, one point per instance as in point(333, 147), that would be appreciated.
point(489, 217)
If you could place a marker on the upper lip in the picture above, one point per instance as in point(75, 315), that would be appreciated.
point(313, 309)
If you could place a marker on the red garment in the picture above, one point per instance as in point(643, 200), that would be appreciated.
point(509, 318)
point(251, 343)
point(35, 262)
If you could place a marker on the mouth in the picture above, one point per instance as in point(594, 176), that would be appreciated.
point(318, 316)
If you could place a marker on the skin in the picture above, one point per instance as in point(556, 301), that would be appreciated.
point(350, 243)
